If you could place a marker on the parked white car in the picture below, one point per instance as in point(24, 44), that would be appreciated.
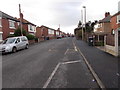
point(13, 44)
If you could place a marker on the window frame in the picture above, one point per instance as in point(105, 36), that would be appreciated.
point(118, 19)
point(31, 28)
point(11, 24)
point(50, 31)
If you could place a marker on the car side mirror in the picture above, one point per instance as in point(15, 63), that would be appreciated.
point(16, 42)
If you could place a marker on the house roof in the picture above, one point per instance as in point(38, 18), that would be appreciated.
point(4, 15)
point(116, 14)
point(24, 21)
point(47, 27)
point(106, 19)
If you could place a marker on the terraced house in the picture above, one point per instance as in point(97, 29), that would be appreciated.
point(8, 24)
point(45, 32)
point(27, 25)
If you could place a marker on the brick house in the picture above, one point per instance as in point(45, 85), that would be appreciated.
point(108, 28)
point(113, 38)
point(115, 22)
point(102, 28)
point(40, 33)
point(46, 32)
point(58, 32)
point(28, 26)
point(8, 24)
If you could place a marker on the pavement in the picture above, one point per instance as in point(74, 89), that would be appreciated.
point(104, 64)
point(101, 48)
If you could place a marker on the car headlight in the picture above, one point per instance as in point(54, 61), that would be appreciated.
point(3, 48)
point(6, 48)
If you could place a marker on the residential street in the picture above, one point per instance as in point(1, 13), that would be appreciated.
point(58, 64)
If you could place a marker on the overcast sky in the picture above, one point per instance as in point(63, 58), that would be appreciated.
point(51, 13)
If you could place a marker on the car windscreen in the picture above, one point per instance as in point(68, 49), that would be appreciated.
point(9, 41)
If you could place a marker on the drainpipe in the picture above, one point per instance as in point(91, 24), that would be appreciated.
point(116, 42)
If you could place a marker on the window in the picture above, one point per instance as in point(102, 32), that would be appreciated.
point(0, 21)
point(18, 40)
point(18, 23)
point(118, 19)
point(57, 33)
point(50, 31)
point(32, 28)
point(11, 24)
point(0, 37)
point(24, 39)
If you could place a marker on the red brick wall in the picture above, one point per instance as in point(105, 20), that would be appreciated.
point(5, 28)
point(25, 27)
point(38, 32)
point(0, 29)
point(114, 22)
point(45, 31)
point(107, 27)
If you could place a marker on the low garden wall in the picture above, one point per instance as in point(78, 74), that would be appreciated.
point(111, 49)
point(31, 41)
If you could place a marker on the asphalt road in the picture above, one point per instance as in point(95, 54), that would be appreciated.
point(105, 65)
point(50, 64)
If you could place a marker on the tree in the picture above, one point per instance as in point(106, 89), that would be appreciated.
point(30, 37)
point(90, 26)
point(79, 24)
point(18, 32)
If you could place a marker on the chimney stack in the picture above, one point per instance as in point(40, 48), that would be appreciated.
point(21, 16)
point(107, 14)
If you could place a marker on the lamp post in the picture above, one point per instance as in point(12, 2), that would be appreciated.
point(84, 7)
point(82, 24)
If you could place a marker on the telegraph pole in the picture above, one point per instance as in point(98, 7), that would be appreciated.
point(20, 19)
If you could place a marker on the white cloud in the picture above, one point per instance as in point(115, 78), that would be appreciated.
point(54, 12)
point(97, 8)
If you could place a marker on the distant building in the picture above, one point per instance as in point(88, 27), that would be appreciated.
point(46, 32)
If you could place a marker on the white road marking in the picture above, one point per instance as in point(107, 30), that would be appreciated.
point(66, 52)
point(51, 76)
point(54, 71)
point(69, 62)
point(92, 71)
point(74, 45)
point(75, 48)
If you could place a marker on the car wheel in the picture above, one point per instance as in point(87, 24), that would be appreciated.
point(14, 49)
point(26, 47)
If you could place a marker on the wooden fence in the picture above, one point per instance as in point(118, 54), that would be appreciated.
point(110, 40)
